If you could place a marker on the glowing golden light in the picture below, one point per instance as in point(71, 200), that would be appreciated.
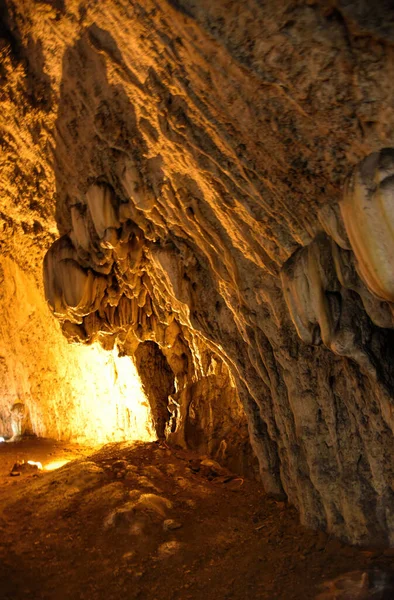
point(106, 404)
point(36, 464)
point(117, 408)
point(71, 392)
point(56, 464)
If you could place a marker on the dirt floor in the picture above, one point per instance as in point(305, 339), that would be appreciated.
point(143, 521)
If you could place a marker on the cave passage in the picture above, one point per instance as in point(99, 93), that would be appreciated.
point(202, 195)
point(158, 382)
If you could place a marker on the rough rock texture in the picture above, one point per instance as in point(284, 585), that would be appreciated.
point(194, 156)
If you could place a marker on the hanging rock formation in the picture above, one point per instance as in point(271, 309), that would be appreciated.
point(196, 159)
point(368, 214)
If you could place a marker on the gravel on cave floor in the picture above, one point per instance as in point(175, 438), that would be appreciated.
point(143, 521)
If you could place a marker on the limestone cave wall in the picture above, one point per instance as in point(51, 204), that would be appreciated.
point(201, 161)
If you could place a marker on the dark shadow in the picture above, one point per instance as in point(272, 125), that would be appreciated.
point(58, 5)
point(158, 382)
point(37, 83)
point(9, 31)
point(180, 7)
point(365, 17)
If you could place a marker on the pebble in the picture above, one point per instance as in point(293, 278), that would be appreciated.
point(170, 525)
point(191, 503)
point(168, 549)
point(153, 502)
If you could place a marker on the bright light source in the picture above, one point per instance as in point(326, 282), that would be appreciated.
point(107, 404)
point(37, 464)
point(2, 439)
point(56, 464)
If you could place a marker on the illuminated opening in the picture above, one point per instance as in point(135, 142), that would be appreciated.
point(107, 405)
point(56, 464)
point(69, 392)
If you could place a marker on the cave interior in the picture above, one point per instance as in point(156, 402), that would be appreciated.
point(197, 300)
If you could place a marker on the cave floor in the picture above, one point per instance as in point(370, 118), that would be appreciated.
point(148, 522)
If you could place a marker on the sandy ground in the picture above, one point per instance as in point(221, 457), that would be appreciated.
point(50, 453)
point(142, 521)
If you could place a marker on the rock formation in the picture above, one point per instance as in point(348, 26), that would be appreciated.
point(195, 157)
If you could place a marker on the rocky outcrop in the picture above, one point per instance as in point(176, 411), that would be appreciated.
point(199, 153)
